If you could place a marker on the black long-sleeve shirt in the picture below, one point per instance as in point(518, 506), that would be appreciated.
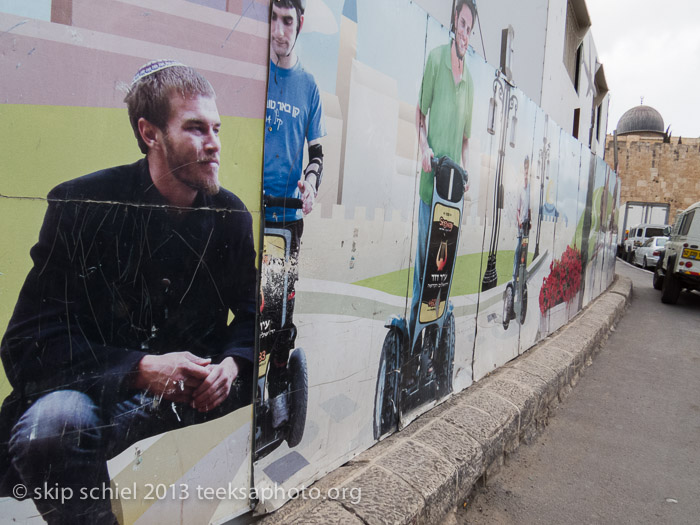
point(117, 275)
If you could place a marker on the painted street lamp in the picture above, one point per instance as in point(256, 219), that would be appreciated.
point(542, 169)
point(507, 103)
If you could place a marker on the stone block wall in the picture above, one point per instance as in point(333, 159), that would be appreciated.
point(654, 171)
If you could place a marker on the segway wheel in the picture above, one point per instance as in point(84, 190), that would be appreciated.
point(298, 396)
point(507, 305)
point(523, 307)
point(385, 396)
point(444, 363)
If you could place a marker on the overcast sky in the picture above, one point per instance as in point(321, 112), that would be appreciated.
point(654, 54)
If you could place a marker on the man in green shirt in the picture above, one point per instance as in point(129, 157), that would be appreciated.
point(443, 121)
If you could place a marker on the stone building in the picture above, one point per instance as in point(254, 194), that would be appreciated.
point(654, 167)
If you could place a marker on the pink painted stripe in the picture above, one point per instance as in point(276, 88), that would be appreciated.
point(17, 26)
point(191, 11)
point(257, 9)
point(117, 18)
point(42, 72)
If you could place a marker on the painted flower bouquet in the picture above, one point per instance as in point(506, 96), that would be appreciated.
point(564, 279)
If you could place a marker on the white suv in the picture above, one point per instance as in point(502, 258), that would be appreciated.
point(681, 263)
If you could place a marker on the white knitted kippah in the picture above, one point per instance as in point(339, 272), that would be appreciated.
point(152, 67)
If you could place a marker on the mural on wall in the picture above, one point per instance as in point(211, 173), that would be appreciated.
point(423, 343)
point(603, 212)
point(424, 223)
point(558, 298)
point(294, 120)
point(129, 334)
point(441, 241)
point(544, 219)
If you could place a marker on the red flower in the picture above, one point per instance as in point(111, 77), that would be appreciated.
point(564, 279)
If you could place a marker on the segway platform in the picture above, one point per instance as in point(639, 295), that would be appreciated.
point(276, 329)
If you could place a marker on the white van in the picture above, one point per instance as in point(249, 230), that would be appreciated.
point(638, 235)
point(681, 264)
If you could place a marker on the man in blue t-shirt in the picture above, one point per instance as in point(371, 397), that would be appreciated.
point(294, 116)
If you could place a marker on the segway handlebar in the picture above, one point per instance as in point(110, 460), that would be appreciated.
point(436, 163)
point(282, 202)
point(442, 169)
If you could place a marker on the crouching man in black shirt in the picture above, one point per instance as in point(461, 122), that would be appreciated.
point(121, 329)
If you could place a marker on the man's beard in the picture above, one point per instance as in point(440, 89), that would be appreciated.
point(205, 185)
point(188, 172)
point(459, 57)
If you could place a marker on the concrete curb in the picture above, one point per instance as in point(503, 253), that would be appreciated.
point(419, 474)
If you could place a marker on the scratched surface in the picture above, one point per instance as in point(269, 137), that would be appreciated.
point(62, 116)
point(62, 83)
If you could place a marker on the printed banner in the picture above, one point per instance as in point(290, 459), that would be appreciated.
point(334, 216)
point(388, 275)
point(129, 270)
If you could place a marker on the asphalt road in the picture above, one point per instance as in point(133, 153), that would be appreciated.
point(624, 446)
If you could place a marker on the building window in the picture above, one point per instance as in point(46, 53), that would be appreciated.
point(577, 73)
point(601, 90)
point(577, 118)
point(577, 24)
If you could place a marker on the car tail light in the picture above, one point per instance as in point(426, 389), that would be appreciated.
point(656, 253)
point(688, 264)
point(685, 245)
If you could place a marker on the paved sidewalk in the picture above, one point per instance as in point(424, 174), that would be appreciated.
point(624, 447)
point(421, 473)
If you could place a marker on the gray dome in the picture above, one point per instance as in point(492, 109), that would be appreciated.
point(640, 119)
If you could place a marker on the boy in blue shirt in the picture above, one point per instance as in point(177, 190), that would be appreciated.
point(294, 115)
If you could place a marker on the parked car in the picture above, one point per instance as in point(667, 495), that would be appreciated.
point(648, 253)
point(638, 235)
point(680, 266)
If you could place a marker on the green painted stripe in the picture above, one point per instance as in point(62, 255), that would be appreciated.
point(316, 303)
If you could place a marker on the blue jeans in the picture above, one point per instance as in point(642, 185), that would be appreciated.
point(419, 263)
point(516, 259)
point(64, 440)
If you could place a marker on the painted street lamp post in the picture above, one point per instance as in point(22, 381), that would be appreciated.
point(542, 169)
point(507, 103)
